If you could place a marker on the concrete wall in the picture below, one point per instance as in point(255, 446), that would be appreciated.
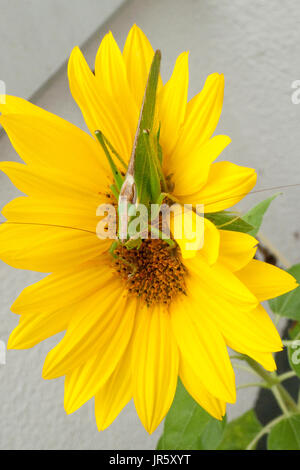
point(256, 45)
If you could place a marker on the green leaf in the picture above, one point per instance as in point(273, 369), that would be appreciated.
point(160, 443)
point(249, 223)
point(288, 305)
point(294, 331)
point(188, 426)
point(212, 434)
point(228, 221)
point(240, 432)
point(294, 356)
point(285, 435)
point(256, 214)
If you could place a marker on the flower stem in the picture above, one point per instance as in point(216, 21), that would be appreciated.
point(279, 400)
point(285, 401)
point(252, 384)
point(246, 369)
point(286, 375)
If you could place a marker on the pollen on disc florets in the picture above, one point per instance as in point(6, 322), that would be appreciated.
point(153, 272)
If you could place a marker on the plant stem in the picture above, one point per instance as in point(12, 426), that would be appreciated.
point(246, 369)
point(286, 376)
point(279, 400)
point(274, 383)
point(291, 405)
point(253, 384)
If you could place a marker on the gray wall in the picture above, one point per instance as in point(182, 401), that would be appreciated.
point(256, 45)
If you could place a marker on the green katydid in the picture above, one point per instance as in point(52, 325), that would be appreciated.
point(144, 180)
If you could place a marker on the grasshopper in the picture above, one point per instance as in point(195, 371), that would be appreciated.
point(144, 182)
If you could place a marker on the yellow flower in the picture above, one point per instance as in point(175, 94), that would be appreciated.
point(131, 334)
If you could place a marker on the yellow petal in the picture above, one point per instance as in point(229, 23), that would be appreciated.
point(210, 250)
point(266, 281)
point(190, 170)
point(172, 104)
point(60, 212)
point(236, 249)
point(111, 75)
point(115, 394)
point(244, 328)
point(204, 349)
point(195, 388)
point(32, 329)
point(47, 306)
point(99, 110)
point(48, 248)
point(154, 366)
point(91, 330)
point(62, 289)
point(16, 105)
point(226, 185)
point(187, 228)
point(42, 138)
point(43, 182)
point(202, 115)
point(138, 55)
point(194, 234)
point(265, 359)
point(84, 382)
point(221, 283)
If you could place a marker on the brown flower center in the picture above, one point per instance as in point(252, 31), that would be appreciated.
point(153, 272)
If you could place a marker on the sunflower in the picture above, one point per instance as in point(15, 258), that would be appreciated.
point(131, 334)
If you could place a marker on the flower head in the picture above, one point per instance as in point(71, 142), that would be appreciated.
point(136, 317)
